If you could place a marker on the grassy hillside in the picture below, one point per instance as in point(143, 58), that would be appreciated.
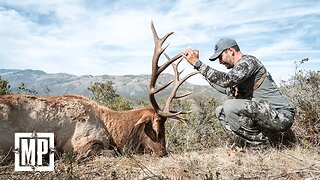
point(225, 162)
point(200, 149)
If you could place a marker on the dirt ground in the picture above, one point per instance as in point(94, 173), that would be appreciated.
point(220, 163)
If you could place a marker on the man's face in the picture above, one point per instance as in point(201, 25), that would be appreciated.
point(225, 58)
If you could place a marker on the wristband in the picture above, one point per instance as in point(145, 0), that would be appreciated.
point(197, 65)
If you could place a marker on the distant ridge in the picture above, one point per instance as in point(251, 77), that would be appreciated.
point(131, 87)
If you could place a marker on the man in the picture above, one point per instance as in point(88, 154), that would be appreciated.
point(257, 110)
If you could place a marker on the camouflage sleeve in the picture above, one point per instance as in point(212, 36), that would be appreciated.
point(243, 69)
point(219, 88)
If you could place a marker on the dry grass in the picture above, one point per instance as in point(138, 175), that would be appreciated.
point(219, 163)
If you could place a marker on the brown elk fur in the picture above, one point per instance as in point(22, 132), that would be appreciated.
point(79, 123)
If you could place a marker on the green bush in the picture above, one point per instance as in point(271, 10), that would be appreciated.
point(104, 94)
point(303, 90)
point(24, 90)
point(4, 87)
point(201, 131)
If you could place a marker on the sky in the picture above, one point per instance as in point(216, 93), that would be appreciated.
point(114, 37)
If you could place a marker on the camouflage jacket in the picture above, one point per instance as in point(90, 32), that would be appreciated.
point(245, 73)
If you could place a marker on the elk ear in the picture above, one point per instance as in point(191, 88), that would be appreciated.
point(148, 128)
point(150, 132)
point(142, 120)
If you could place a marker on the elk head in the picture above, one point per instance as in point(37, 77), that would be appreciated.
point(154, 128)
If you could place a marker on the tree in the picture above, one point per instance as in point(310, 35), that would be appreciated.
point(4, 87)
point(24, 90)
point(47, 90)
point(104, 94)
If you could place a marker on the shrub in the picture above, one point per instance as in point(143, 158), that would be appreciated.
point(4, 87)
point(201, 131)
point(104, 94)
point(24, 90)
point(303, 91)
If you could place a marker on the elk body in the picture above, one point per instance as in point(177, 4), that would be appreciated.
point(81, 125)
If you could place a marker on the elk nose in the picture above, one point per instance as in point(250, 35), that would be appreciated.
point(163, 154)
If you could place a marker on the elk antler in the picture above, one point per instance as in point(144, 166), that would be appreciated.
point(157, 70)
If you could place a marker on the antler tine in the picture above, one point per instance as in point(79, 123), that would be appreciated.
point(156, 71)
point(156, 37)
point(181, 72)
point(163, 87)
point(170, 61)
point(178, 83)
point(178, 73)
point(181, 119)
point(177, 113)
point(158, 50)
point(178, 117)
point(167, 56)
point(183, 95)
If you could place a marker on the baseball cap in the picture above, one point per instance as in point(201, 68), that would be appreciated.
point(221, 45)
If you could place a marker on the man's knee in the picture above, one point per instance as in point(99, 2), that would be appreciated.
point(269, 119)
point(232, 106)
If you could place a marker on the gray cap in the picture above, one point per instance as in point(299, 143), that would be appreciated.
point(222, 45)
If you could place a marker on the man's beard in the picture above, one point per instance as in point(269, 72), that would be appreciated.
point(228, 66)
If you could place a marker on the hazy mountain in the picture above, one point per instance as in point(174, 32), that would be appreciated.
point(128, 86)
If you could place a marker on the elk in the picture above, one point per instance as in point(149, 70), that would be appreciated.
point(81, 125)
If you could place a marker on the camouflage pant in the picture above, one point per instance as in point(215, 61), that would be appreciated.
point(252, 120)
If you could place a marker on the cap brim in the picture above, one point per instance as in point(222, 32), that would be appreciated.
point(215, 56)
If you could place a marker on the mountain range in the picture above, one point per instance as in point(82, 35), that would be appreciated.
point(131, 87)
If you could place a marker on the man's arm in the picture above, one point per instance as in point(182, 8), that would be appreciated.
point(240, 72)
point(223, 90)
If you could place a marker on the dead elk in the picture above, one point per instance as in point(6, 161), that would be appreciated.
point(83, 126)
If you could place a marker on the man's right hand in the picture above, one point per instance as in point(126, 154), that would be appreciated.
point(192, 56)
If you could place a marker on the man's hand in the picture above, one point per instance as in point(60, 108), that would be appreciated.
point(191, 56)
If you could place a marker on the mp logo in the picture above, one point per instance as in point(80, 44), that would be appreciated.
point(34, 151)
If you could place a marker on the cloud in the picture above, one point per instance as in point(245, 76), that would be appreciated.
point(114, 37)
